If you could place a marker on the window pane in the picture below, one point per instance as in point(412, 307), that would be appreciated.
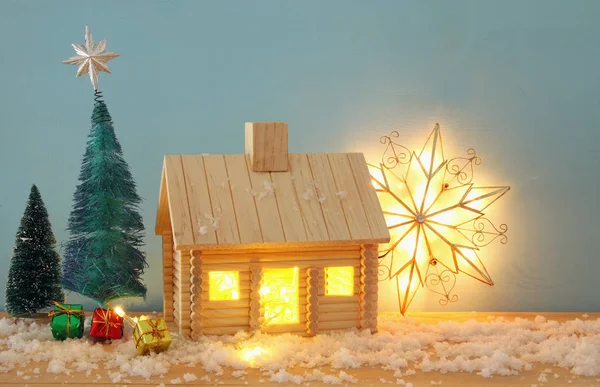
point(279, 296)
point(224, 285)
point(339, 281)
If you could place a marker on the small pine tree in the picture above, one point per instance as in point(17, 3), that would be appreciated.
point(34, 274)
point(102, 258)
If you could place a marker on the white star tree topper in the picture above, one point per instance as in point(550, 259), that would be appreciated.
point(91, 58)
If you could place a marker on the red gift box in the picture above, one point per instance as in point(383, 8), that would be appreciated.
point(106, 324)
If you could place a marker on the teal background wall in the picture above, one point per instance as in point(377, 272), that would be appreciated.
point(516, 80)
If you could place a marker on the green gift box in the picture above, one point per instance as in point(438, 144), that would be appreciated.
point(67, 321)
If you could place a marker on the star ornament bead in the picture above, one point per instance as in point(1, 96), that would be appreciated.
point(91, 58)
point(435, 217)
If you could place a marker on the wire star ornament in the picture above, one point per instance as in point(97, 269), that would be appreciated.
point(91, 58)
point(435, 217)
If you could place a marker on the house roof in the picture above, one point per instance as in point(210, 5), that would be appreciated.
point(217, 201)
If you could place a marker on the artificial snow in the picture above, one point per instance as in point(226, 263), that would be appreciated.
point(269, 187)
point(214, 220)
point(189, 377)
point(269, 190)
point(251, 191)
point(403, 346)
point(308, 194)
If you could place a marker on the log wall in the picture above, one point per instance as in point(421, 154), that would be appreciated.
point(167, 254)
point(228, 317)
point(181, 291)
point(369, 287)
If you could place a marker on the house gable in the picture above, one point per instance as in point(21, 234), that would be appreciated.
point(218, 201)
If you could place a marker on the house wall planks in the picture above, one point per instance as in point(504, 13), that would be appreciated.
point(178, 202)
point(349, 197)
point(286, 328)
point(340, 306)
point(224, 330)
point(230, 321)
point(225, 313)
point(309, 206)
point(176, 290)
point(312, 301)
point(338, 300)
point(184, 295)
point(289, 207)
point(292, 208)
point(301, 264)
point(241, 303)
point(325, 326)
point(201, 210)
point(167, 252)
point(225, 221)
point(368, 293)
point(243, 200)
point(163, 220)
point(315, 248)
point(196, 287)
point(371, 204)
point(266, 205)
point(233, 257)
point(337, 225)
point(339, 316)
point(256, 277)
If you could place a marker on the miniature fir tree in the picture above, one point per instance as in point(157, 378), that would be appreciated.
point(34, 274)
point(103, 260)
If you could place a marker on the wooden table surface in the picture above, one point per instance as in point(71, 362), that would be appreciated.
point(366, 376)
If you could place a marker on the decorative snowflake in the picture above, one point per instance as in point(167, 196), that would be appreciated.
point(435, 217)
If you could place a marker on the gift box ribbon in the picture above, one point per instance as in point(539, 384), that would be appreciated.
point(155, 332)
point(104, 319)
point(69, 312)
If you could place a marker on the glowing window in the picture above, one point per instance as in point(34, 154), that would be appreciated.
point(279, 296)
point(339, 281)
point(224, 285)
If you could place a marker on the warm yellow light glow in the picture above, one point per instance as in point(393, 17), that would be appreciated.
point(339, 281)
point(378, 175)
point(224, 285)
point(279, 296)
point(434, 214)
point(119, 311)
point(250, 355)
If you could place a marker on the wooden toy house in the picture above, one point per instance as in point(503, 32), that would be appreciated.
point(269, 240)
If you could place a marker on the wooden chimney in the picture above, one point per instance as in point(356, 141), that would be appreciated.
point(267, 146)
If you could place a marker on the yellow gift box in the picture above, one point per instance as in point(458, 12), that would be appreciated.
point(151, 336)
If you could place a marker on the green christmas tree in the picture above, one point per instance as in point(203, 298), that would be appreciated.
point(103, 260)
point(34, 274)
